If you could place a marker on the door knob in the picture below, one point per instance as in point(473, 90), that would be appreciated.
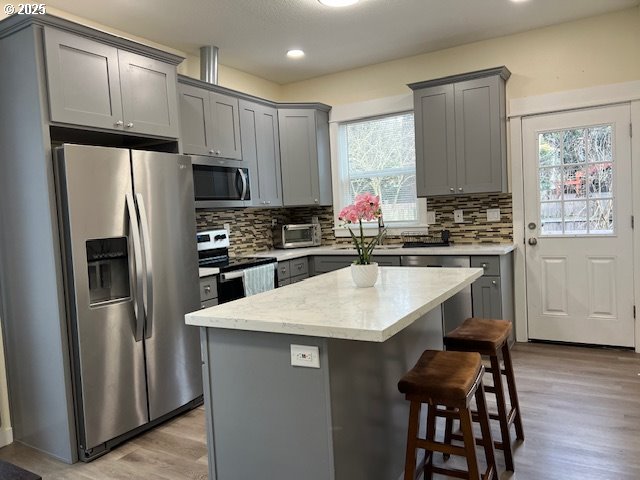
point(531, 226)
point(533, 241)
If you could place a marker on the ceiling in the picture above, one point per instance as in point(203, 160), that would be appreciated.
point(254, 35)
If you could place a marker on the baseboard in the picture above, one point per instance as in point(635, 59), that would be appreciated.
point(6, 436)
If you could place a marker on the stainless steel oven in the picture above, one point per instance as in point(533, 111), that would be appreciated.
point(217, 183)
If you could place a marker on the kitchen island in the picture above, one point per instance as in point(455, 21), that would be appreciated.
point(344, 420)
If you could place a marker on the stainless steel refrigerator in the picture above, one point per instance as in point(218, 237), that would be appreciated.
point(131, 274)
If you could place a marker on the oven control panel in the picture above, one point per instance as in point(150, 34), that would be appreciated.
point(213, 239)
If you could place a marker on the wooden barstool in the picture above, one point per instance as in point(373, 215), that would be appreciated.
point(446, 381)
point(490, 338)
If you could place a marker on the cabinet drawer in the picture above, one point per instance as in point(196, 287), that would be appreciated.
point(209, 303)
point(284, 270)
point(299, 266)
point(491, 265)
point(208, 288)
point(285, 282)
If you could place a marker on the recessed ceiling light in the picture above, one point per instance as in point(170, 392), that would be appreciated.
point(338, 3)
point(519, 1)
point(295, 53)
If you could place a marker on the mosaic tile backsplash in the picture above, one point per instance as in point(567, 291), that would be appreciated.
point(251, 227)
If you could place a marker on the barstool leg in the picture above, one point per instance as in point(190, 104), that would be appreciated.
point(483, 417)
point(431, 435)
point(513, 393)
point(412, 440)
point(448, 431)
point(502, 412)
point(469, 443)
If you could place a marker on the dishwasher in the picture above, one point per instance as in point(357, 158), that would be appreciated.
point(458, 308)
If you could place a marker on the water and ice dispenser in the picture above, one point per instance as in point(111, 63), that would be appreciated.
point(108, 265)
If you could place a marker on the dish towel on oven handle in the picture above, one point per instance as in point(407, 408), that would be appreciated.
point(259, 279)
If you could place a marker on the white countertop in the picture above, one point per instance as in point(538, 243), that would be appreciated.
point(476, 249)
point(330, 305)
point(207, 272)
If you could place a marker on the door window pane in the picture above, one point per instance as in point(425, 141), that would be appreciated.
point(577, 198)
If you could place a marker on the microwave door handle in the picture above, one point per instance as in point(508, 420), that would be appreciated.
point(134, 229)
point(243, 177)
point(146, 242)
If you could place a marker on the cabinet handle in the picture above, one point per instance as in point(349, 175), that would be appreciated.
point(484, 265)
point(218, 152)
point(300, 267)
point(207, 289)
point(460, 189)
point(212, 152)
point(315, 200)
point(119, 123)
point(451, 189)
point(129, 125)
point(268, 202)
point(493, 282)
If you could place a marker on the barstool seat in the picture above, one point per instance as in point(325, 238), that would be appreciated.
point(446, 382)
point(442, 376)
point(490, 338)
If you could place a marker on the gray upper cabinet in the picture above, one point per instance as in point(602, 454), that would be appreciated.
point(83, 78)
point(210, 123)
point(304, 152)
point(226, 126)
point(149, 95)
point(261, 152)
point(196, 130)
point(97, 85)
point(460, 126)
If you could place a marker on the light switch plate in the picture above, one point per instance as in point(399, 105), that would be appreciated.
point(431, 217)
point(458, 216)
point(493, 215)
point(305, 356)
point(227, 227)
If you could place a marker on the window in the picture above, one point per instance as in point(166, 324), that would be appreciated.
point(576, 172)
point(377, 155)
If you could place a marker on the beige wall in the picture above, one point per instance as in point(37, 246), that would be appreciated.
point(594, 51)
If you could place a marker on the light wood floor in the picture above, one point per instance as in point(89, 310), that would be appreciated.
point(581, 411)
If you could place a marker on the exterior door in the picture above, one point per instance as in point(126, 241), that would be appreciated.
point(163, 185)
point(578, 209)
point(102, 251)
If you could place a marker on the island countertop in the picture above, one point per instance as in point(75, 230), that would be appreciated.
point(331, 306)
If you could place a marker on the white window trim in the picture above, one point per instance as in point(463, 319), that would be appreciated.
point(357, 111)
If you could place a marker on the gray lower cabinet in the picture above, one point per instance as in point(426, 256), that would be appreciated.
point(210, 123)
point(293, 271)
point(460, 134)
point(208, 292)
point(305, 157)
point(97, 85)
point(261, 152)
point(493, 293)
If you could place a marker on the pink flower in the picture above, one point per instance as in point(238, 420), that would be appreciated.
point(368, 206)
point(349, 214)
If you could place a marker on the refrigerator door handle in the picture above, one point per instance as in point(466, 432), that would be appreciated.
point(137, 249)
point(146, 241)
point(244, 184)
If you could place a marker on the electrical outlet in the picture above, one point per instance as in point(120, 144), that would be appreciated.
point(227, 227)
point(274, 222)
point(431, 217)
point(493, 215)
point(458, 216)
point(315, 220)
point(305, 356)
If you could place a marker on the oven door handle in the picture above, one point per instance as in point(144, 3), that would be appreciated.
point(225, 277)
point(243, 177)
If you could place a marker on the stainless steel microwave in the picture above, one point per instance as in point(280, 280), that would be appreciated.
point(218, 183)
point(294, 236)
